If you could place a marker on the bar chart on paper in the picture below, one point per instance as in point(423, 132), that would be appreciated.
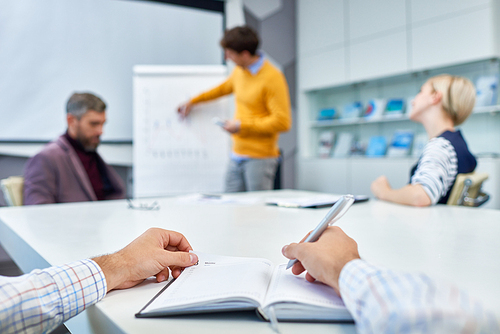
point(173, 155)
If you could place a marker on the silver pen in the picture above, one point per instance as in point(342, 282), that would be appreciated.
point(335, 213)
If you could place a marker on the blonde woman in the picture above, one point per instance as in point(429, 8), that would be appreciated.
point(443, 102)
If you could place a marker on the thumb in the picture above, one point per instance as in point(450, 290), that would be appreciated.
point(290, 251)
point(180, 259)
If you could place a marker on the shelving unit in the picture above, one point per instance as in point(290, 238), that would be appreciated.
point(359, 120)
point(355, 173)
point(350, 51)
point(404, 117)
point(487, 109)
point(404, 86)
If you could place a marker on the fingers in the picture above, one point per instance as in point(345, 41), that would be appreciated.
point(298, 268)
point(290, 252)
point(310, 278)
point(171, 240)
point(176, 271)
point(304, 238)
point(180, 259)
point(162, 275)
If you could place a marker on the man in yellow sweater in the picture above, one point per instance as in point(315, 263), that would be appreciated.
point(262, 112)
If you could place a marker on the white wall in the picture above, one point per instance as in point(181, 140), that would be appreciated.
point(51, 48)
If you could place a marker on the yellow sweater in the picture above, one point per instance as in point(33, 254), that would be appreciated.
point(262, 107)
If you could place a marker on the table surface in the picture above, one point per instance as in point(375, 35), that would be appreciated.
point(453, 243)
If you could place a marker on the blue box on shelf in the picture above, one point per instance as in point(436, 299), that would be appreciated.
point(352, 110)
point(327, 114)
point(376, 147)
point(395, 107)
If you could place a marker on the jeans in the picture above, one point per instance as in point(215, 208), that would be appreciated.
point(251, 175)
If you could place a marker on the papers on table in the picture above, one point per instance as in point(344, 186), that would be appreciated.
point(217, 199)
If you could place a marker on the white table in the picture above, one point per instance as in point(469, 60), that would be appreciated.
point(453, 243)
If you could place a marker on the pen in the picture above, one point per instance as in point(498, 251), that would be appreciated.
point(334, 214)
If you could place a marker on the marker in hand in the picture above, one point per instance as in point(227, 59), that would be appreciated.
point(334, 214)
point(218, 121)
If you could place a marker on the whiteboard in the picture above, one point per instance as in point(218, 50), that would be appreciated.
point(51, 48)
point(173, 156)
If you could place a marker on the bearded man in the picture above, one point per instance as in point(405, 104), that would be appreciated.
point(69, 169)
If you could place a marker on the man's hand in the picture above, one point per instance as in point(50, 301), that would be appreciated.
point(380, 187)
point(324, 258)
point(185, 109)
point(152, 253)
point(232, 126)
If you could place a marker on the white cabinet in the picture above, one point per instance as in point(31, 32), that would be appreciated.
point(365, 171)
point(321, 25)
point(353, 175)
point(326, 175)
point(378, 57)
point(427, 10)
point(322, 69)
point(454, 40)
point(368, 17)
point(366, 39)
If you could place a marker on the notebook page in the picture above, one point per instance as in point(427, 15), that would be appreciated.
point(287, 287)
point(216, 279)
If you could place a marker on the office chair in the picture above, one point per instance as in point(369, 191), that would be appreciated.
point(12, 188)
point(467, 190)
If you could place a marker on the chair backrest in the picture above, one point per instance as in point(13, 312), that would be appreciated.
point(12, 188)
point(467, 190)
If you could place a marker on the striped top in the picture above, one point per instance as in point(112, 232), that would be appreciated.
point(384, 301)
point(443, 158)
point(43, 299)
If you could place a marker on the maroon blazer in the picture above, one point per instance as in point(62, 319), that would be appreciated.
point(56, 175)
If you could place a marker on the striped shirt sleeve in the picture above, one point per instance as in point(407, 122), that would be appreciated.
point(437, 168)
point(43, 299)
point(384, 301)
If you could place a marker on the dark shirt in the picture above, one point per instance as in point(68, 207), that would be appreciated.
point(92, 164)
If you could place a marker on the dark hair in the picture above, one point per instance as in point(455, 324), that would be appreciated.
point(240, 39)
point(79, 103)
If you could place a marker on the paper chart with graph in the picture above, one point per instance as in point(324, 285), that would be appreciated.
point(173, 155)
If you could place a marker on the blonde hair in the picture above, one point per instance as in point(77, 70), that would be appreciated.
point(458, 96)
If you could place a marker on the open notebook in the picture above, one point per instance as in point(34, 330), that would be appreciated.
point(221, 284)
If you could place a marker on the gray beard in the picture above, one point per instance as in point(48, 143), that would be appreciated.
point(90, 148)
point(87, 147)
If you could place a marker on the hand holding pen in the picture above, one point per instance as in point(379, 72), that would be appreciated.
point(324, 259)
point(335, 213)
point(325, 250)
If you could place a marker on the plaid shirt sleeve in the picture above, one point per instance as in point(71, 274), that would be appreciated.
point(384, 301)
point(43, 299)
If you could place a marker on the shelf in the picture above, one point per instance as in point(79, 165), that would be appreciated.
point(359, 120)
point(486, 109)
point(386, 119)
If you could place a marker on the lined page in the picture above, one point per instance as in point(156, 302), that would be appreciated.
point(287, 287)
point(216, 279)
